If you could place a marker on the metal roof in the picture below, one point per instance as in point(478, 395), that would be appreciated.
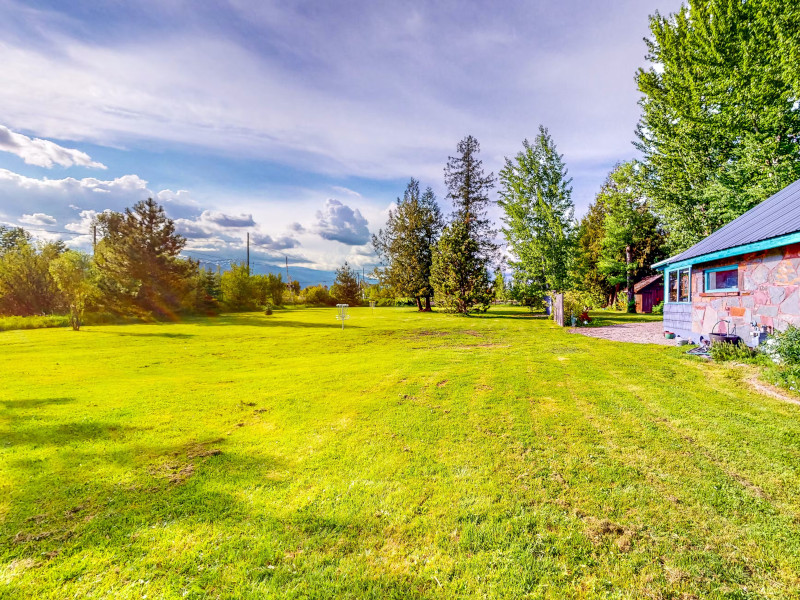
point(776, 216)
point(647, 281)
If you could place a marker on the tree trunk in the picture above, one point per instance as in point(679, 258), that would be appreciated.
point(419, 303)
point(427, 304)
point(629, 274)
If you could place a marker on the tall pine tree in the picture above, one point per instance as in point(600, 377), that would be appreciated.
point(406, 244)
point(466, 248)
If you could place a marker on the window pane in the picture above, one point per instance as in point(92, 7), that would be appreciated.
point(683, 290)
point(723, 280)
point(673, 286)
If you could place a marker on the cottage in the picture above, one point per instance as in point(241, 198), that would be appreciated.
point(743, 279)
point(647, 293)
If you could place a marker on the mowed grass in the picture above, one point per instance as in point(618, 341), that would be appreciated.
point(408, 456)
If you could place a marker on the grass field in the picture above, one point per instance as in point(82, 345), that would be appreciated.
point(408, 456)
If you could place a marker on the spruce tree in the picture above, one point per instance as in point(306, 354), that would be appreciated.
point(138, 261)
point(466, 248)
point(346, 288)
point(405, 246)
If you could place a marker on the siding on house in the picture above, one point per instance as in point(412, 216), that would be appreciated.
point(678, 318)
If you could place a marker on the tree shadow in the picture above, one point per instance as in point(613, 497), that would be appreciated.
point(268, 322)
point(177, 336)
point(27, 403)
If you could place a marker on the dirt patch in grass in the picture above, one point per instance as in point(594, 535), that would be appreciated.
point(634, 333)
point(602, 530)
point(770, 390)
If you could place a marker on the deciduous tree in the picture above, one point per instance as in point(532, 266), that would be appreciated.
point(345, 288)
point(720, 122)
point(536, 198)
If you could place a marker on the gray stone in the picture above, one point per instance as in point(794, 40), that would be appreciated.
point(791, 306)
point(777, 294)
point(766, 311)
point(748, 302)
point(761, 275)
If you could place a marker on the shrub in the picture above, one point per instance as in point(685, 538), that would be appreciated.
point(658, 309)
point(317, 295)
point(784, 348)
point(268, 310)
point(631, 306)
point(35, 322)
point(724, 351)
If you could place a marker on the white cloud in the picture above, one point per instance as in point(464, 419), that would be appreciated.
point(341, 223)
point(38, 219)
point(43, 153)
point(267, 242)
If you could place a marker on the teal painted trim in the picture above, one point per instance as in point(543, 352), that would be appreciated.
point(708, 272)
point(783, 240)
point(666, 285)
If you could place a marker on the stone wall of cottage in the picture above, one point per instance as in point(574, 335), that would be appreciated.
point(769, 294)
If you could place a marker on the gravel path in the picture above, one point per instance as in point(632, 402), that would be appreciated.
point(635, 333)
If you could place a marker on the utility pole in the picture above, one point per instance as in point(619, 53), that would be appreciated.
point(248, 253)
point(288, 281)
point(94, 239)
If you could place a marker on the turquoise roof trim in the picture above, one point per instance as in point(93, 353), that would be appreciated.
point(783, 240)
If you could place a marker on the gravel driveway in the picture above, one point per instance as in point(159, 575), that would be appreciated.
point(635, 333)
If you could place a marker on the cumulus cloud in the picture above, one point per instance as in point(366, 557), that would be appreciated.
point(297, 227)
point(43, 153)
point(341, 223)
point(210, 223)
point(38, 219)
point(267, 242)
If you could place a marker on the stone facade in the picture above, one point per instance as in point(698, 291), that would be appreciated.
point(768, 295)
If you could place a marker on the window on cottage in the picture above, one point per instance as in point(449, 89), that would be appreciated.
point(684, 286)
point(679, 286)
point(723, 279)
point(673, 286)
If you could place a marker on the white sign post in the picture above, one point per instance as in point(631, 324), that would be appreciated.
point(341, 313)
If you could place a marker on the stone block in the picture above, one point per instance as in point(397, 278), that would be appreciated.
point(791, 305)
point(760, 274)
point(766, 321)
point(766, 311)
point(748, 301)
point(736, 311)
point(776, 294)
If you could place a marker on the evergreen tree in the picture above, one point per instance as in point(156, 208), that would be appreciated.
point(405, 246)
point(720, 125)
point(536, 197)
point(499, 286)
point(588, 249)
point(345, 288)
point(459, 272)
point(466, 249)
point(138, 261)
point(632, 239)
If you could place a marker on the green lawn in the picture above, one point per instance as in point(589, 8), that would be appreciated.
point(408, 456)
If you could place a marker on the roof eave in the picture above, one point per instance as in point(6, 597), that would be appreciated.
point(768, 244)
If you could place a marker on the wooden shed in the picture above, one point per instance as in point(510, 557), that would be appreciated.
point(648, 292)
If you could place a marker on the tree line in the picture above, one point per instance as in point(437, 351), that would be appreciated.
point(719, 132)
point(136, 271)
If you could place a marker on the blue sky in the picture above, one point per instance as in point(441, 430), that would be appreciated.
point(299, 122)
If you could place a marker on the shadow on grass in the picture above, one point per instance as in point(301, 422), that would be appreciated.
point(65, 433)
point(602, 318)
point(256, 321)
point(177, 336)
point(27, 403)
